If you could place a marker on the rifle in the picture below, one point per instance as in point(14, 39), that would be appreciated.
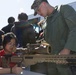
point(31, 49)
point(28, 60)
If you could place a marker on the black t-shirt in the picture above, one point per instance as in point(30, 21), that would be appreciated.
point(7, 28)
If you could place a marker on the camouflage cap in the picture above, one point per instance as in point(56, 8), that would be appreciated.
point(36, 4)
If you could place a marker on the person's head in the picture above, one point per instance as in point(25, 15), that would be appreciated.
point(42, 7)
point(11, 20)
point(22, 16)
point(9, 42)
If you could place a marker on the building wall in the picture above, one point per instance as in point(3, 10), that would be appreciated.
point(73, 4)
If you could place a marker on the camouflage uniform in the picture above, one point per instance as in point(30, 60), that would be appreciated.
point(60, 33)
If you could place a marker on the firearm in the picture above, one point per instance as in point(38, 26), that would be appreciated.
point(31, 49)
point(28, 60)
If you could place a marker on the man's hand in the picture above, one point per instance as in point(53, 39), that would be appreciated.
point(64, 52)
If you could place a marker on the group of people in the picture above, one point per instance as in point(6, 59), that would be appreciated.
point(15, 34)
point(21, 28)
point(59, 32)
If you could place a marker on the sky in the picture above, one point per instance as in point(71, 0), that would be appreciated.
point(14, 7)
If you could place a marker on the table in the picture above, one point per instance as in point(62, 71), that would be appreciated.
point(26, 73)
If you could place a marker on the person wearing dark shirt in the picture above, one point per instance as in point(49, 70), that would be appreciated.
point(7, 28)
point(24, 31)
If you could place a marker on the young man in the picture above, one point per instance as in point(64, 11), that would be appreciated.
point(24, 31)
point(60, 33)
point(8, 27)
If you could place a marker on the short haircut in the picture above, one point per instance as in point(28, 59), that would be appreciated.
point(11, 20)
point(22, 16)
